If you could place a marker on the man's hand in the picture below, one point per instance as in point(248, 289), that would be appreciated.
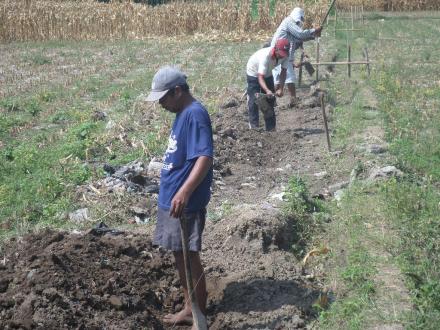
point(198, 173)
point(178, 204)
point(318, 31)
point(279, 92)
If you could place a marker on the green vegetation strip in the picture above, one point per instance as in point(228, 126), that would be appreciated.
point(50, 139)
point(407, 210)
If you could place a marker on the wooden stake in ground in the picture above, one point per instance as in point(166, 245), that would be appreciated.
point(349, 61)
point(321, 96)
point(300, 69)
point(317, 59)
point(198, 317)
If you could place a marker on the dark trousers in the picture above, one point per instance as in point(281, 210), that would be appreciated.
point(254, 87)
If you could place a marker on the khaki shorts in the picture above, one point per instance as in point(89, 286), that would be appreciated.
point(167, 233)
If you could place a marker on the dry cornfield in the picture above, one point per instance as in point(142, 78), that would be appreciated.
point(390, 5)
point(22, 20)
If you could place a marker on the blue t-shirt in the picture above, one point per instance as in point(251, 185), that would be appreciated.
point(190, 138)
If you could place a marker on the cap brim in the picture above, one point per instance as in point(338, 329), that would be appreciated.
point(155, 96)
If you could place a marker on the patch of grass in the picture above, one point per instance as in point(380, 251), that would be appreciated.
point(51, 142)
point(300, 207)
point(414, 210)
point(398, 218)
point(39, 59)
point(221, 212)
point(357, 276)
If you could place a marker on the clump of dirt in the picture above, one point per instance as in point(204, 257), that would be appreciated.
point(53, 280)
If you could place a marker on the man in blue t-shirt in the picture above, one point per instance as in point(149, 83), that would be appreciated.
point(185, 180)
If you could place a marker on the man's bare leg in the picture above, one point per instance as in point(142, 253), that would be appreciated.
point(199, 284)
point(292, 91)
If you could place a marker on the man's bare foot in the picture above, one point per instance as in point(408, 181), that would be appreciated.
point(180, 318)
point(292, 102)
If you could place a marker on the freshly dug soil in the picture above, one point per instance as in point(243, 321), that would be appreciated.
point(54, 280)
point(118, 280)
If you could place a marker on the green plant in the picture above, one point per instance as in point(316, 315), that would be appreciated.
point(33, 107)
point(40, 59)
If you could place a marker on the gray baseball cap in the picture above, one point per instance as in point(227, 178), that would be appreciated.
point(165, 79)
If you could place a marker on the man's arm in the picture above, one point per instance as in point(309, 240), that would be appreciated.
point(303, 35)
point(263, 85)
point(198, 173)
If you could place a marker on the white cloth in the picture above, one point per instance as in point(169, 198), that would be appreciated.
point(261, 62)
point(298, 15)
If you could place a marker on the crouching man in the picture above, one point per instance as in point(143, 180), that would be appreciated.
point(260, 81)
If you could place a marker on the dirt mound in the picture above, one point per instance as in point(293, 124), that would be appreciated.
point(254, 281)
point(54, 280)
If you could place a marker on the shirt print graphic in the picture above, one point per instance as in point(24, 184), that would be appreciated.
point(172, 148)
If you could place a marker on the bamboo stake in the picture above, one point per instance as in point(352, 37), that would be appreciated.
point(340, 63)
point(366, 57)
point(362, 15)
point(352, 23)
point(350, 30)
point(348, 62)
point(321, 96)
point(300, 70)
point(317, 59)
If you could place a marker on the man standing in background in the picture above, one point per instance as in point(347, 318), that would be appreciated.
point(291, 28)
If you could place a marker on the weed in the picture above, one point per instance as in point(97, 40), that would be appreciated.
point(223, 211)
point(33, 107)
point(9, 105)
point(40, 59)
point(46, 96)
point(300, 208)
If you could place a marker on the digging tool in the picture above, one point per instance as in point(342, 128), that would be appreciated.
point(198, 317)
point(328, 12)
point(263, 102)
point(309, 67)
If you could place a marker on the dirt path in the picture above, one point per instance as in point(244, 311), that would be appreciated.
point(117, 280)
point(255, 282)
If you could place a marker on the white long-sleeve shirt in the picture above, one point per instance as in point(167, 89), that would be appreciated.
point(288, 29)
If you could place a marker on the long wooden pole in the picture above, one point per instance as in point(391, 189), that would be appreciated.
point(300, 69)
point(366, 57)
point(198, 317)
point(321, 95)
point(328, 12)
point(349, 61)
point(317, 59)
point(340, 63)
